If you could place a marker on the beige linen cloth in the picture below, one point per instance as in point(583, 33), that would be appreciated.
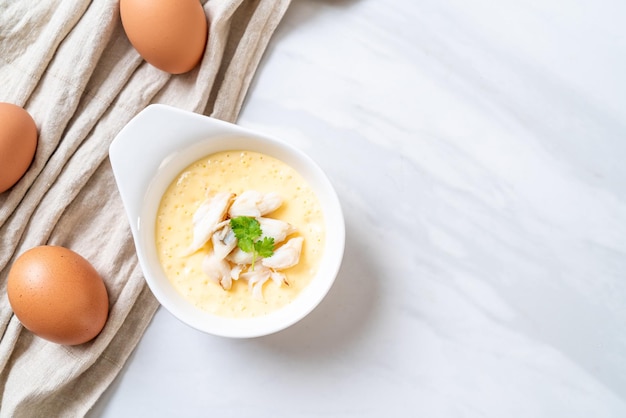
point(71, 66)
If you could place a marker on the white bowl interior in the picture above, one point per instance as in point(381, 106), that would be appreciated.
point(144, 233)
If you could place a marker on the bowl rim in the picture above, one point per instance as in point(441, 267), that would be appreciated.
point(153, 148)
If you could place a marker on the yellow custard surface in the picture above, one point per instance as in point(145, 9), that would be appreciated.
point(236, 171)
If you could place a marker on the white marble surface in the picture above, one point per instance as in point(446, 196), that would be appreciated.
point(479, 152)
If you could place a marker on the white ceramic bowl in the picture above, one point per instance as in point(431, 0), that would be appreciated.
point(153, 148)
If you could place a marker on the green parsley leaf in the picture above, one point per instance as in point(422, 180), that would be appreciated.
point(246, 228)
point(264, 247)
point(246, 244)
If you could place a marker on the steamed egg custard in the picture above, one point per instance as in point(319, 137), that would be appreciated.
point(239, 233)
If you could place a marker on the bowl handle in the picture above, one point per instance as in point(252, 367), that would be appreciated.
point(144, 144)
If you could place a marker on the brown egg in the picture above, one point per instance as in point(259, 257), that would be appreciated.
point(18, 141)
point(169, 34)
point(58, 295)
